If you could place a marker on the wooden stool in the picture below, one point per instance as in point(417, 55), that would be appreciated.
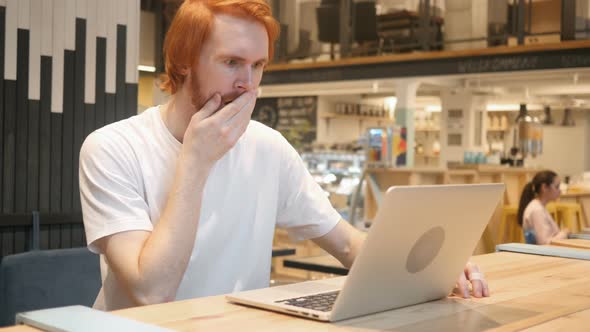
point(569, 216)
point(509, 222)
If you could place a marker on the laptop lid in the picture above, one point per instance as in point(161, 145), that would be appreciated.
point(418, 244)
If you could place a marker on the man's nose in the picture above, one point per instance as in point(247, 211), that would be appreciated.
point(244, 81)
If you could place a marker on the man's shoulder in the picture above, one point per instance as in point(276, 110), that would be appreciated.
point(120, 134)
point(260, 130)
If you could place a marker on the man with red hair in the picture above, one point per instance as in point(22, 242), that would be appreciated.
point(182, 200)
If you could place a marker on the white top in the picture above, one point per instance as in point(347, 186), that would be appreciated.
point(127, 169)
point(536, 217)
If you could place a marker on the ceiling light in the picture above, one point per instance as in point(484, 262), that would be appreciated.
point(433, 108)
point(502, 107)
point(389, 104)
point(375, 87)
point(512, 107)
point(150, 69)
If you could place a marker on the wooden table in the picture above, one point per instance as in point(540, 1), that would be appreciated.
point(572, 243)
point(537, 292)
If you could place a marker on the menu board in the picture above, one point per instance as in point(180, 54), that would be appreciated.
point(294, 117)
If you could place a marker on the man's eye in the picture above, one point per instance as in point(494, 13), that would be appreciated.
point(259, 65)
point(231, 62)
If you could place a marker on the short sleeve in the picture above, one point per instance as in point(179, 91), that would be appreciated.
point(304, 209)
point(110, 190)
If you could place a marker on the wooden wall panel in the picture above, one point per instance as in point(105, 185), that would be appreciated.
point(2, 43)
point(10, 43)
point(56, 183)
point(132, 47)
point(111, 83)
point(47, 28)
point(22, 118)
point(59, 43)
point(67, 67)
point(90, 52)
point(45, 136)
point(9, 161)
point(32, 161)
point(79, 109)
point(67, 132)
point(101, 49)
point(121, 111)
point(34, 92)
point(35, 49)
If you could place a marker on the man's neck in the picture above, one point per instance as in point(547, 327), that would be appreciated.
point(177, 114)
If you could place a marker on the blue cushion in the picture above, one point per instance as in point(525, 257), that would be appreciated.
point(47, 278)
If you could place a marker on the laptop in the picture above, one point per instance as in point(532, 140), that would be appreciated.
point(415, 250)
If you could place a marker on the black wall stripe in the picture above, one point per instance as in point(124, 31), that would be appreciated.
point(57, 161)
point(54, 236)
point(2, 42)
point(9, 145)
point(45, 135)
point(7, 243)
point(101, 56)
point(67, 130)
point(20, 240)
point(22, 97)
point(121, 112)
point(65, 240)
point(79, 110)
point(109, 107)
point(78, 236)
point(44, 237)
point(131, 104)
point(89, 121)
point(33, 157)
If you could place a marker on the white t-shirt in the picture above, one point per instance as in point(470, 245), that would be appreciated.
point(127, 169)
point(536, 218)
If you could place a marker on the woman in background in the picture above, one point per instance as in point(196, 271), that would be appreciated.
point(536, 222)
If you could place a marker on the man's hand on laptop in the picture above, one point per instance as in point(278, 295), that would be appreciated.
point(471, 279)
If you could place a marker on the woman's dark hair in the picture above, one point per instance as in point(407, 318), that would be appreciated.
point(532, 188)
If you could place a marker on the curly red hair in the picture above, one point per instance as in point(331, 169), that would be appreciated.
point(192, 25)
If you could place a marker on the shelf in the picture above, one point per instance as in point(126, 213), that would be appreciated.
point(426, 156)
point(497, 129)
point(355, 117)
point(427, 130)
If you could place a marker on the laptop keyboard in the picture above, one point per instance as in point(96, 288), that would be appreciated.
point(320, 302)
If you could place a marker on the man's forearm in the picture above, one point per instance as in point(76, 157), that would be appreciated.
point(343, 242)
point(357, 238)
point(164, 257)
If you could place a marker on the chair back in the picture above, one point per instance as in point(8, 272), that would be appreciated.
point(43, 279)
